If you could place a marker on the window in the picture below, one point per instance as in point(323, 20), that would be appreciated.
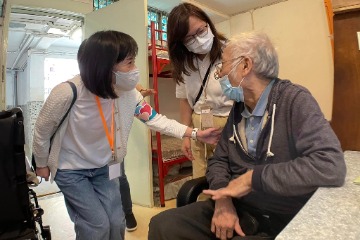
point(97, 4)
point(58, 70)
point(160, 18)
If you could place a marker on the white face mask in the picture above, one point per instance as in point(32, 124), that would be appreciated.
point(202, 45)
point(127, 81)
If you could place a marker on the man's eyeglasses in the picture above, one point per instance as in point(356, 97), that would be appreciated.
point(200, 33)
point(219, 66)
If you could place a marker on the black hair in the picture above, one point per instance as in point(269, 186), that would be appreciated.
point(177, 29)
point(98, 55)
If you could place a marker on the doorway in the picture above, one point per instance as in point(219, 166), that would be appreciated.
point(36, 34)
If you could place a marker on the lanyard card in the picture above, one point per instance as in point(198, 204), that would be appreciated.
point(114, 170)
point(206, 117)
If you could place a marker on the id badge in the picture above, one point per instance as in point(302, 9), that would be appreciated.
point(114, 168)
point(206, 117)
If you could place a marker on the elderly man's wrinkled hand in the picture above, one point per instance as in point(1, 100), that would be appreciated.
point(237, 188)
point(209, 136)
point(225, 220)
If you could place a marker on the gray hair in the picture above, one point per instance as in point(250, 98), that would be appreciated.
point(258, 47)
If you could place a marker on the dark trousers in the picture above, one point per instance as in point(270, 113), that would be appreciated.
point(193, 221)
point(125, 192)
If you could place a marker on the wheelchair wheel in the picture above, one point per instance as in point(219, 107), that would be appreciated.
point(46, 234)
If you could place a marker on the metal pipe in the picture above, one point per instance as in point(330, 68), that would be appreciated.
point(25, 46)
point(15, 88)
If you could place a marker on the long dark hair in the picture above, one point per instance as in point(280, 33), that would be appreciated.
point(177, 29)
point(98, 55)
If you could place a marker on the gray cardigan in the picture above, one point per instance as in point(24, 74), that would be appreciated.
point(302, 154)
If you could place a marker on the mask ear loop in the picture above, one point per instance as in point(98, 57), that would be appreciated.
point(241, 82)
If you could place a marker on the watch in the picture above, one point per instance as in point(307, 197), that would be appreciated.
point(194, 133)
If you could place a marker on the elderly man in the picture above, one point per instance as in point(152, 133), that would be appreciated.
point(275, 151)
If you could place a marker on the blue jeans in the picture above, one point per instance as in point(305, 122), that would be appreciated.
point(125, 192)
point(92, 201)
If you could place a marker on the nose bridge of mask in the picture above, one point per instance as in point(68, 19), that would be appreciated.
point(205, 38)
point(129, 73)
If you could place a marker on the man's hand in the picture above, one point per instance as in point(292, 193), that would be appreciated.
point(43, 172)
point(225, 220)
point(186, 148)
point(209, 136)
point(237, 188)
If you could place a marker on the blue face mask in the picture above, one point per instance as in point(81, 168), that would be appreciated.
point(233, 93)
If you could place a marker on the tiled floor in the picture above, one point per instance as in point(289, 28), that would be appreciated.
point(62, 228)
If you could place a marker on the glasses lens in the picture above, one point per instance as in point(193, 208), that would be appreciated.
point(189, 41)
point(203, 32)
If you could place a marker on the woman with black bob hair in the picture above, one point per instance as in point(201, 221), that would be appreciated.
point(195, 48)
point(100, 54)
point(93, 137)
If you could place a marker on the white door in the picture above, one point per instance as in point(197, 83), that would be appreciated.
point(130, 17)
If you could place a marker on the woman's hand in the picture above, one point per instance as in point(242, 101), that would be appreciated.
point(237, 188)
point(209, 136)
point(43, 172)
point(147, 92)
point(186, 148)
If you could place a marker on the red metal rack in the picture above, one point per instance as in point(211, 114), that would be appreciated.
point(158, 65)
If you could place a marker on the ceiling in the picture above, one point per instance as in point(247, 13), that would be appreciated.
point(218, 10)
point(40, 30)
point(44, 30)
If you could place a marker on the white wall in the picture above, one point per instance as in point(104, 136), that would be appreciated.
point(168, 103)
point(299, 31)
point(10, 98)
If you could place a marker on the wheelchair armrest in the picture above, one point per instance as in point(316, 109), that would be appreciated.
point(190, 191)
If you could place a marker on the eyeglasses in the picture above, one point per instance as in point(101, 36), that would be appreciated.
point(218, 67)
point(201, 32)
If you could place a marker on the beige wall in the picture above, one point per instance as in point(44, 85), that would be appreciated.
point(299, 30)
point(138, 159)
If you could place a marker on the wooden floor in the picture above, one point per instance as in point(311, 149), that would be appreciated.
point(62, 228)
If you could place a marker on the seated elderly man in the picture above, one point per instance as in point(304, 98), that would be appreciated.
point(275, 151)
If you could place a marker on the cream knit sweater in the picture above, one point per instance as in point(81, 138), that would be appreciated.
point(52, 112)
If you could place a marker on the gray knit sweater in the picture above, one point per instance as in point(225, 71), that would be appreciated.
point(56, 106)
point(306, 152)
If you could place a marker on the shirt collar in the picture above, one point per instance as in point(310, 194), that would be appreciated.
point(260, 107)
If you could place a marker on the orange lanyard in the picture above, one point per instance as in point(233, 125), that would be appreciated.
point(109, 135)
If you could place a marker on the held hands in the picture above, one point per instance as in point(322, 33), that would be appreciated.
point(237, 188)
point(209, 136)
point(43, 172)
point(186, 148)
point(225, 220)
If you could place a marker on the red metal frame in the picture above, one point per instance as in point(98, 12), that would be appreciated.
point(158, 64)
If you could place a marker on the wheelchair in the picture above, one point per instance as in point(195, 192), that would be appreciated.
point(189, 193)
point(20, 213)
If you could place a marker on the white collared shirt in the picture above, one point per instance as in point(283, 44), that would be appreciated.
point(220, 104)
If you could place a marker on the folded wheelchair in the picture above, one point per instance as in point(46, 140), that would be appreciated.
point(20, 213)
